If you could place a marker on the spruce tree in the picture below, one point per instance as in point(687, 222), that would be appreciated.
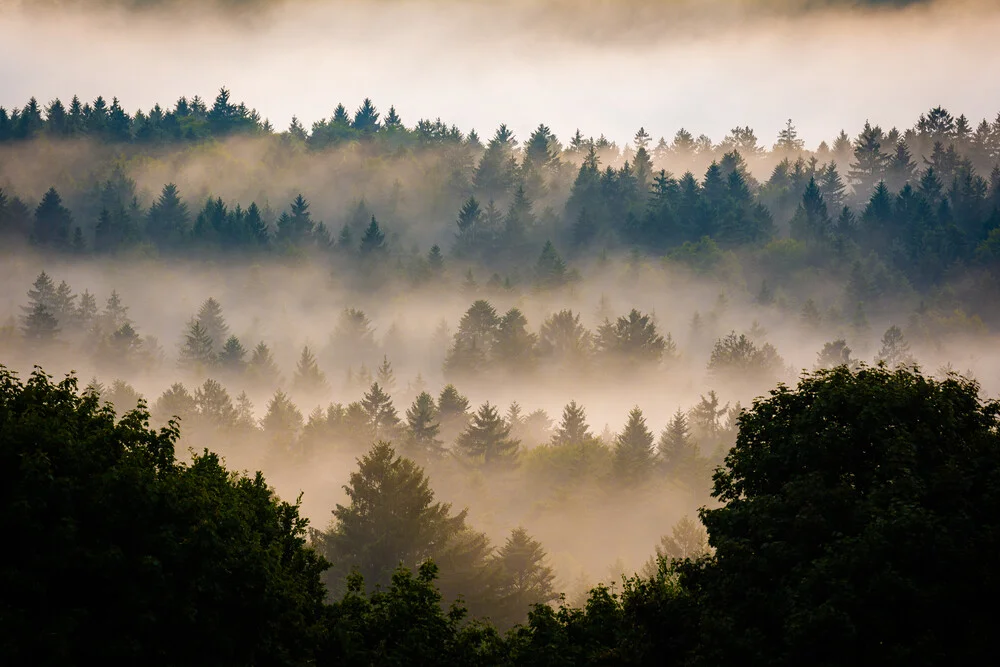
point(677, 450)
point(423, 424)
point(212, 321)
point(373, 241)
point(573, 429)
point(487, 439)
point(53, 222)
point(214, 405)
point(550, 271)
point(525, 578)
point(308, 377)
point(895, 350)
point(385, 377)
point(633, 456)
point(383, 421)
point(39, 324)
point(261, 368)
point(197, 352)
point(392, 518)
point(233, 356)
point(282, 423)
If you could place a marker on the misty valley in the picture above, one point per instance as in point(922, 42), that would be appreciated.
point(375, 392)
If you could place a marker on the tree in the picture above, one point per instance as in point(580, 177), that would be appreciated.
point(373, 240)
point(39, 324)
point(391, 519)
point(514, 347)
point(858, 509)
point(168, 219)
point(487, 439)
point(525, 578)
point(573, 429)
point(261, 368)
point(53, 222)
point(563, 339)
point(385, 377)
point(788, 140)
point(282, 422)
point(197, 351)
point(453, 409)
point(634, 452)
point(677, 449)
point(383, 421)
point(632, 338)
point(870, 162)
point(308, 377)
point(835, 353)
point(550, 271)
point(296, 227)
point(213, 404)
point(705, 416)
point(895, 350)
point(424, 425)
point(131, 555)
point(738, 356)
point(212, 321)
point(811, 221)
point(232, 357)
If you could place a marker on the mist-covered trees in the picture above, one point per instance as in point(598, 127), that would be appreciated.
point(392, 519)
point(487, 440)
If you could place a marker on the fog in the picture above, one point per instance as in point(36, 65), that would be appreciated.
point(605, 68)
point(602, 67)
point(592, 533)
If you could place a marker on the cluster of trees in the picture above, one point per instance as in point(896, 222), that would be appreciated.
point(845, 530)
point(911, 209)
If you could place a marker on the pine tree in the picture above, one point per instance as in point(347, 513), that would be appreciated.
point(705, 417)
point(175, 403)
point(385, 377)
point(197, 352)
point(525, 578)
point(424, 426)
point(633, 457)
point(514, 345)
point(211, 320)
point(487, 439)
point(678, 451)
point(811, 221)
point(39, 324)
point(895, 350)
point(373, 241)
point(232, 357)
point(308, 377)
point(573, 429)
point(550, 271)
point(214, 405)
point(282, 422)
point(261, 368)
point(392, 518)
point(383, 421)
point(53, 222)
point(788, 140)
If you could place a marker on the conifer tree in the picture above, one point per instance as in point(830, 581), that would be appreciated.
point(308, 377)
point(453, 409)
point(211, 320)
point(383, 421)
point(214, 405)
point(385, 377)
point(705, 416)
point(392, 518)
point(39, 324)
point(233, 356)
point(677, 450)
point(373, 241)
point(550, 271)
point(282, 422)
point(563, 339)
point(261, 368)
point(573, 429)
point(487, 439)
point(525, 578)
point(53, 222)
point(197, 350)
point(633, 456)
point(424, 425)
point(835, 353)
point(895, 350)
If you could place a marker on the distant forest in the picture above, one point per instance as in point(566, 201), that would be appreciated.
point(883, 214)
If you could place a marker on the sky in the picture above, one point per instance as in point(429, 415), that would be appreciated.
point(598, 66)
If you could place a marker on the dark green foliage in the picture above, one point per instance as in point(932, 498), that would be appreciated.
point(127, 555)
point(487, 439)
point(52, 222)
point(632, 339)
point(525, 579)
point(851, 528)
point(391, 519)
point(634, 449)
point(423, 424)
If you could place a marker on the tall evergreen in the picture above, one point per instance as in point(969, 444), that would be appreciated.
point(633, 454)
point(197, 350)
point(424, 426)
point(53, 222)
point(383, 420)
point(487, 439)
point(676, 448)
point(308, 377)
point(573, 429)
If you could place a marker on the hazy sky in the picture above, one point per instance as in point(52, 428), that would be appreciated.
point(602, 67)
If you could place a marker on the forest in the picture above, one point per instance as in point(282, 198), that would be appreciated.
point(377, 393)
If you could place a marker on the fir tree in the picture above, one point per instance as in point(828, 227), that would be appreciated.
point(678, 451)
point(633, 457)
point(308, 377)
point(197, 352)
point(233, 356)
point(261, 368)
point(487, 439)
point(895, 350)
point(424, 426)
point(383, 421)
point(525, 578)
point(211, 320)
point(573, 429)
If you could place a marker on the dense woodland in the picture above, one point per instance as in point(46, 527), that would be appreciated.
point(800, 490)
